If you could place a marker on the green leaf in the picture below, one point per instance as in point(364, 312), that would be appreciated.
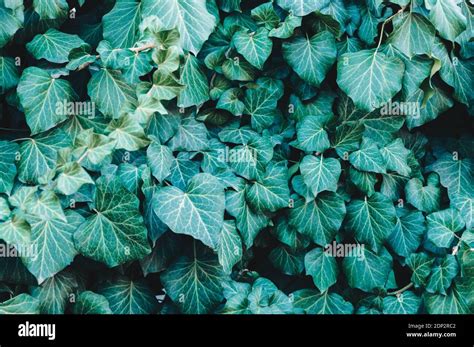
point(302, 7)
point(192, 19)
point(432, 104)
point(51, 9)
point(456, 175)
point(408, 233)
point(320, 218)
point(72, 178)
point(39, 155)
point(396, 155)
point(368, 272)
point(254, 46)
point(191, 135)
point(368, 158)
point(229, 100)
point(194, 284)
point(10, 25)
point(288, 261)
point(372, 220)
point(115, 233)
point(45, 205)
point(311, 135)
point(261, 104)
point(127, 133)
point(160, 159)
point(465, 205)
point(405, 303)
point(313, 302)
point(311, 58)
point(424, 198)
point(53, 241)
point(194, 80)
point(443, 225)
point(229, 247)
point(447, 17)
point(20, 304)
point(420, 264)
point(412, 34)
point(198, 211)
point(9, 152)
point(322, 267)
point(369, 77)
point(54, 46)
point(320, 174)
point(40, 94)
point(129, 297)
point(452, 303)
point(9, 74)
point(270, 192)
point(121, 24)
point(110, 92)
point(442, 275)
point(91, 303)
point(54, 294)
point(286, 28)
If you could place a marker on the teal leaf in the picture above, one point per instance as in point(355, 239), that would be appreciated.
point(420, 264)
point(160, 159)
point(121, 23)
point(9, 74)
point(368, 158)
point(261, 104)
point(192, 19)
point(9, 152)
point(404, 303)
point(91, 303)
point(424, 198)
point(10, 25)
point(229, 248)
point(194, 80)
point(322, 267)
point(452, 303)
point(129, 297)
point(194, 284)
point(320, 174)
point(51, 9)
point(40, 94)
point(368, 272)
point(288, 261)
point(311, 135)
point(71, 178)
point(54, 46)
point(230, 101)
point(54, 294)
point(319, 219)
point(311, 58)
point(302, 7)
point(20, 304)
point(396, 155)
point(369, 77)
point(408, 233)
point(442, 275)
point(254, 46)
point(198, 211)
point(447, 17)
point(115, 233)
point(372, 220)
point(442, 226)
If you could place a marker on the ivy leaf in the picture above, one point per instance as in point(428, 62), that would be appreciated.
point(320, 174)
point(40, 94)
point(10, 25)
point(286, 28)
point(194, 80)
point(271, 192)
point(254, 46)
point(395, 155)
point(420, 264)
point(191, 135)
point(313, 302)
point(465, 206)
point(442, 275)
point(424, 198)
point(367, 272)
point(53, 239)
point(91, 303)
point(372, 220)
point(229, 248)
point(129, 297)
point(192, 19)
point(447, 17)
point(311, 58)
point(9, 152)
point(452, 303)
point(160, 159)
point(110, 92)
point(194, 284)
point(368, 158)
point(54, 46)
point(412, 34)
point(320, 218)
point(288, 261)
point(9, 73)
point(72, 178)
point(199, 211)
point(456, 175)
point(127, 133)
point(322, 267)
point(121, 24)
point(369, 77)
point(443, 225)
point(54, 293)
point(311, 135)
point(408, 233)
point(229, 100)
point(115, 233)
point(51, 9)
point(302, 7)
point(20, 304)
point(405, 303)
point(261, 104)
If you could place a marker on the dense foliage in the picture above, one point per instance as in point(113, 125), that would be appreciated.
point(164, 156)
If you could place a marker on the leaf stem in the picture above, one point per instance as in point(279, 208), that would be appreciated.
point(383, 27)
point(401, 290)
